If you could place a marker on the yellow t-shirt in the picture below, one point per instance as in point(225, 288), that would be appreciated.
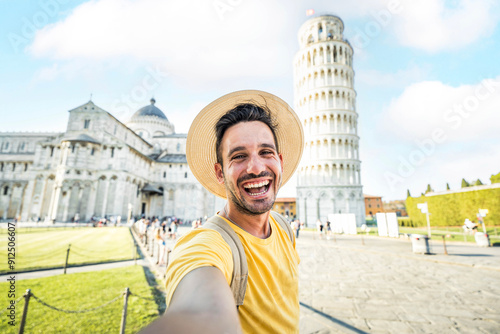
point(271, 302)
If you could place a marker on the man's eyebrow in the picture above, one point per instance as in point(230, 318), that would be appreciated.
point(268, 146)
point(235, 149)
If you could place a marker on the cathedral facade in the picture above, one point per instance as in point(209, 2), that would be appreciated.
point(328, 178)
point(100, 167)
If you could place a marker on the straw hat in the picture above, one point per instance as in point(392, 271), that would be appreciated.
point(200, 145)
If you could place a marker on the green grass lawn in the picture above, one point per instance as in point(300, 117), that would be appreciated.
point(81, 291)
point(47, 248)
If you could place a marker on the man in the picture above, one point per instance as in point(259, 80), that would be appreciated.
point(242, 147)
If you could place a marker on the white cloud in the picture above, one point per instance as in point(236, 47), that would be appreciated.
point(443, 134)
point(434, 25)
point(463, 113)
point(194, 39)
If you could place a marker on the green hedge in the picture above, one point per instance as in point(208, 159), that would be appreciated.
point(453, 209)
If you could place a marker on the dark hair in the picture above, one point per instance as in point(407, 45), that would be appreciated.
point(244, 112)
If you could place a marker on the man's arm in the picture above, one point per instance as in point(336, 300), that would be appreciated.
point(201, 303)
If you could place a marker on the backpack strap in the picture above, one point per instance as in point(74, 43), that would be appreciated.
point(284, 225)
point(240, 267)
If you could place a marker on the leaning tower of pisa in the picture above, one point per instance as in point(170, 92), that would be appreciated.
point(329, 174)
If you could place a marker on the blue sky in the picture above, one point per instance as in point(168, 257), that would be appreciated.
point(426, 72)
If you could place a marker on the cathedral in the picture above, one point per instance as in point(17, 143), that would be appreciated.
point(100, 167)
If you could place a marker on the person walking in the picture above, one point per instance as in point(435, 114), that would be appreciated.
point(319, 228)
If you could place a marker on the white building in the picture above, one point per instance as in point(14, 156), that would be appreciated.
point(100, 167)
point(329, 174)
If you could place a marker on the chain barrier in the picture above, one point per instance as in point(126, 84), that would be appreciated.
point(17, 301)
point(100, 250)
point(45, 256)
point(88, 256)
point(92, 256)
point(77, 311)
point(145, 298)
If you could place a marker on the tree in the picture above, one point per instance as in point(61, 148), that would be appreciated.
point(408, 193)
point(478, 183)
point(495, 178)
point(447, 186)
point(429, 189)
point(465, 184)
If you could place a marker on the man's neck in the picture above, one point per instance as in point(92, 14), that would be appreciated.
point(256, 225)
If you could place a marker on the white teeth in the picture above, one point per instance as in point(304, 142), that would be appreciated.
point(257, 194)
point(256, 185)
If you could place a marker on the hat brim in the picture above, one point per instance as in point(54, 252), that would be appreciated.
point(201, 139)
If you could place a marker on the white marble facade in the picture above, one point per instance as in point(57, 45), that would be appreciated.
point(100, 167)
point(328, 178)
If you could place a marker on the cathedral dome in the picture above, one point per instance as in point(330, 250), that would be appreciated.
point(150, 110)
point(149, 122)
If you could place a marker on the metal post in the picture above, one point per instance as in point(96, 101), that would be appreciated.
point(158, 254)
point(135, 253)
point(444, 245)
point(152, 243)
point(124, 313)
point(428, 225)
point(27, 296)
point(67, 257)
point(166, 261)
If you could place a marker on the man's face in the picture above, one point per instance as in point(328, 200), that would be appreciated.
point(252, 167)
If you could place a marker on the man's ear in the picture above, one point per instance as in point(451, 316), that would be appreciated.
point(219, 173)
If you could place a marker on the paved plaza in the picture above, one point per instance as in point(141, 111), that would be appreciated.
point(378, 285)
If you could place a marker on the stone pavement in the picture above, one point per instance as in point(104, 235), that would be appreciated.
point(382, 287)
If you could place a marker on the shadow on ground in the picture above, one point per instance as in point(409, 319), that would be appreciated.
point(159, 296)
point(470, 255)
point(335, 320)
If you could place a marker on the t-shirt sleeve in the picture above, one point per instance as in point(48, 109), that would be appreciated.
point(199, 248)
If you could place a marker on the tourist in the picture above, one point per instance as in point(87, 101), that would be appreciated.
point(243, 147)
point(328, 229)
point(160, 241)
point(296, 227)
point(173, 229)
point(319, 227)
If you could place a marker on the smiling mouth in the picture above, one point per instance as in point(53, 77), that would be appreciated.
point(257, 188)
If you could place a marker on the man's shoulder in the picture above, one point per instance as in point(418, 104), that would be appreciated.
point(202, 243)
point(199, 235)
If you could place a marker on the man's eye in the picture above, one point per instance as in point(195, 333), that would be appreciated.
point(239, 156)
point(267, 152)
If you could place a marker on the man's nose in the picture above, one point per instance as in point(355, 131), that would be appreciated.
point(255, 165)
